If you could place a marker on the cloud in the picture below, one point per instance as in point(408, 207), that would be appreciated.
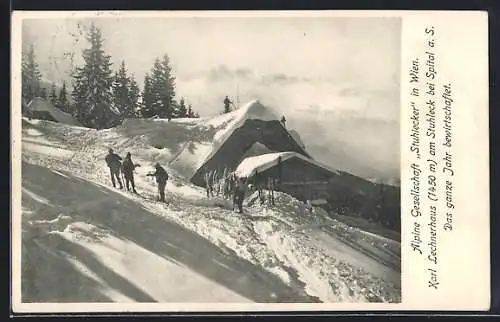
point(283, 79)
point(244, 73)
point(221, 73)
point(349, 91)
point(349, 143)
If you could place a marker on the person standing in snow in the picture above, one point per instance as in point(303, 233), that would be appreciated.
point(128, 168)
point(161, 179)
point(283, 121)
point(239, 193)
point(114, 164)
point(227, 105)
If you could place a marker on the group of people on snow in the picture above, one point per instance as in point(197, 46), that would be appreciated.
point(118, 166)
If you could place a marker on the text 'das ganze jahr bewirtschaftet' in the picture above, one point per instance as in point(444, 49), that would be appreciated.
point(430, 165)
point(448, 167)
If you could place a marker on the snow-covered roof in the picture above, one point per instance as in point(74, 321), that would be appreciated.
point(39, 104)
point(318, 202)
point(249, 166)
point(230, 122)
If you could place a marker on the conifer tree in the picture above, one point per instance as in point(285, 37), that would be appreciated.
point(53, 95)
point(125, 92)
point(134, 94)
point(190, 112)
point(92, 85)
point(157, 85)
point(147, 98)
point(30, 75)
point(181, 110)
point(163, 88)
point(120, 90)
point(62, 99)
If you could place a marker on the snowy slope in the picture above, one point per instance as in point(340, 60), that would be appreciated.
point(104, 244)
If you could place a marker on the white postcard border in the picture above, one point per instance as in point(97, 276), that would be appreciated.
point(463, 37)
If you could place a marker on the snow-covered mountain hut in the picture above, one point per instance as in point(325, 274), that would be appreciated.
point(39, 108)
point(295, 174)
point(248, 131)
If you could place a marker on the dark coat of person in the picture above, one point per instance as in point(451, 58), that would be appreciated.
point(113, 160)
point(227, 102)
point(128, 166)
point(239, 193)
point(161, 179)
point(160, 174)
point(114, 163)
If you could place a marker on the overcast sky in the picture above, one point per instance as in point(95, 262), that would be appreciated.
point(325, 71)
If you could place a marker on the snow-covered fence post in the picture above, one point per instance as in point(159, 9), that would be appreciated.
point(213, 173)
point(207, 182)
point(270, 187)
point(222, 182)
point(214, 183)
point(225, 183)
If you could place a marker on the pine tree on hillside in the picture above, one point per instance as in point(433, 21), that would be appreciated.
point(146, 110)
point(157, 85)
point(120, 90)
point(133, 94)
point(62, 99)
point(181, 110)
point(163, 88)
point(92, 85)
point(30, 76)
point(53, 95)
point(190, 112)
point(169, 85)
